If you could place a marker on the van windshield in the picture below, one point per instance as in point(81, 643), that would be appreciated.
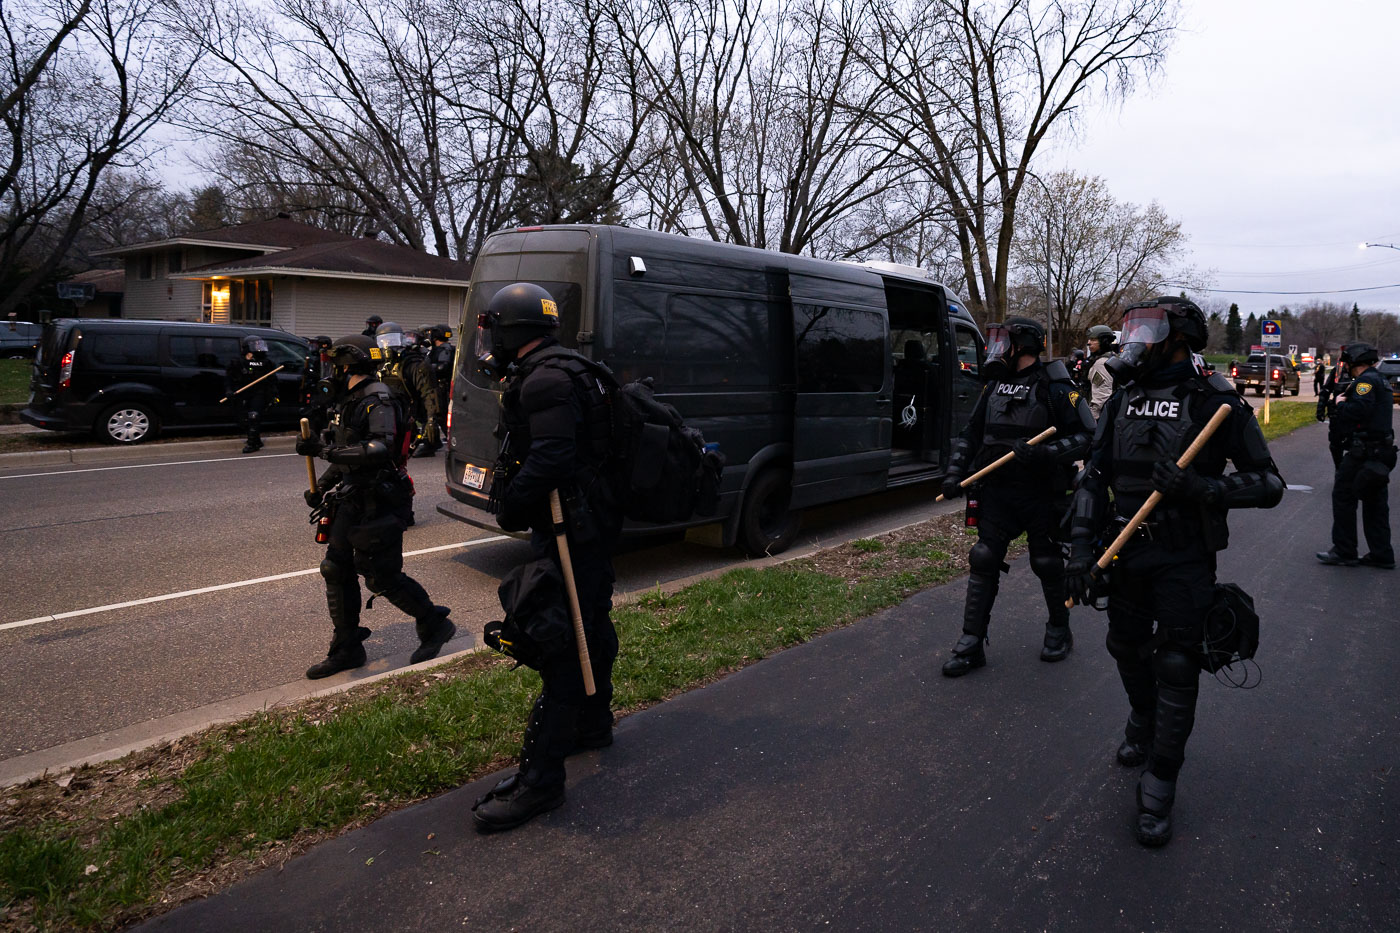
point(567, 295)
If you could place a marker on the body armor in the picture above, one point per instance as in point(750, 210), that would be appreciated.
point(1016, 409)
point(1153, 424)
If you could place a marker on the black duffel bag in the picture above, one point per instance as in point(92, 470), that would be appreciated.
point(1231, 628)
point(537, 624)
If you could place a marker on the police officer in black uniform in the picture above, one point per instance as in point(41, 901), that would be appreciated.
point(367, 494)
point(372, 324)
point(556, 427)
point(1022, 397)
point(1362, 438)
point(439, 371)
point(256, 399)
point(1166, 573)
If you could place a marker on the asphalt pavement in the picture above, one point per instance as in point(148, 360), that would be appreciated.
point(844, 784)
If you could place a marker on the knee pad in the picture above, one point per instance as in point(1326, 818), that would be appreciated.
point(1122, 650)
point(1048, 565)
point(1175, 668)
point(333, 572)
point(983, 558)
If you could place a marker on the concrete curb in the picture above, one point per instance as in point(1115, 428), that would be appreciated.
point(172, 450)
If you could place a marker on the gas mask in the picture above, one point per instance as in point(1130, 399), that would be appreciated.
point(1144, 343)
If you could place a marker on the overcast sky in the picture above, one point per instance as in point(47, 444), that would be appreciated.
point(1274, 137)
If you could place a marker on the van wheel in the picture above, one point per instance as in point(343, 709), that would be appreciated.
point(129, 423)
point(768, 524)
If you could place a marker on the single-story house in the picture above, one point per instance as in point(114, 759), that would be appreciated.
point(286, 274)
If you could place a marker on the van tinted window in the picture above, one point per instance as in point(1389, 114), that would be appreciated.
point(838, 349)
point(121, 349)
point(689, 340)
point(204, 352)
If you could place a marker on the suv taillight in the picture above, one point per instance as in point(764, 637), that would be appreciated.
point(65, 370)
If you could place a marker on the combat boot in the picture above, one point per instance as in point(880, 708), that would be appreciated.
point(967, 656)
point(1154, 799)
point(1058, 642)
point(512, 803)
point(1137, 740)
point(1333, 559)
point(346, 653)
point(434, 631)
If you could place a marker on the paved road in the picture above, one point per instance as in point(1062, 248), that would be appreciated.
point(94, 535)
point(843, 784)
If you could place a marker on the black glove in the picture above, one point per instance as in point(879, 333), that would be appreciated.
point(951, 489)
point(1079, 570)
point(1032, 454)
point(1321, 410)
point(310, 446)
point(314, 499)
point(1171, 480)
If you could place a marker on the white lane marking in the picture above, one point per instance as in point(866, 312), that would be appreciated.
point(224, 586)
point(140, 466)
point(1298, 488)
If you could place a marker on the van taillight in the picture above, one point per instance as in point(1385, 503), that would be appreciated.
point(65, 370)
point(451, 394)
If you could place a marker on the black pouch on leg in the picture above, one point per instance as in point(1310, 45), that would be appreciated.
point(537, 624)
point(1231, 628)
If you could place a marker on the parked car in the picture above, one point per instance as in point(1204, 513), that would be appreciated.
point(126, 380)
point(1282, 375)
point(1390, 369)
point(821, 381)
point(19, 339)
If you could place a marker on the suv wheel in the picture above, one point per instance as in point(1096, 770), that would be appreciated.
point(768, 524)
point(129, 423)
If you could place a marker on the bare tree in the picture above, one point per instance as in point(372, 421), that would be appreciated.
point(975, 87)
point(1096, 252)
point(88, 82)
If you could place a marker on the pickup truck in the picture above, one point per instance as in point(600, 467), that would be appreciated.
point(1250, 374)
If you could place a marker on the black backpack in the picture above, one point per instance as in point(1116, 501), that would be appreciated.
point(664, 470)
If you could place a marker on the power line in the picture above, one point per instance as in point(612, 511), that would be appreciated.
point(1243, 291)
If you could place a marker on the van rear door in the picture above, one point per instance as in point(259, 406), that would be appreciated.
point(44, 380)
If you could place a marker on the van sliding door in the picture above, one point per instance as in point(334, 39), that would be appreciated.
point(841, 408)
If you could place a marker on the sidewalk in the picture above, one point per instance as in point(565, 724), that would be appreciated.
point(156, 450)
point(844, 784)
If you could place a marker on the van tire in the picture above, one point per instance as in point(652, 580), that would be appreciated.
point(768, 524)
point(127, 423)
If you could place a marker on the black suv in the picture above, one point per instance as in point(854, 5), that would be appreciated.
point(124, 380)
point(1390, 371)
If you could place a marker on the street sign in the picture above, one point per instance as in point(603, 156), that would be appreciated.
point(1270, 334)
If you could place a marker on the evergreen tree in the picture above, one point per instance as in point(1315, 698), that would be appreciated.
point(1355, 323)
point(208, 210)
point(1251, 332)
point(1234, 332)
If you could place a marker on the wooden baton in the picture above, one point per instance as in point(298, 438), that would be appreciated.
point(310, 461)
point(254, 382)
point(556, 510)
point(1182, 462)
point(1000, 461)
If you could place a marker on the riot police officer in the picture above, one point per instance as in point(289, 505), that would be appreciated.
point(254, 400)
point(367, 495)
point(438, 370)
point(1100, 380)
point(1022, 397)
point(556, 430)
point(1166, 573)
point(405, 372)
point(372, 325)
point(1362, 438)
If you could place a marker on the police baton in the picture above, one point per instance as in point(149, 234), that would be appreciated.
point(1182, 462)
point(561, 538)
point(310, 461)
point(1000, 461)
point(254, 382)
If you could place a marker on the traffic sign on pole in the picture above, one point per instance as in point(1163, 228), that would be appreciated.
point(1270, 334)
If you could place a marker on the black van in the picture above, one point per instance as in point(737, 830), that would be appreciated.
point(123, 380)
point(820, 380)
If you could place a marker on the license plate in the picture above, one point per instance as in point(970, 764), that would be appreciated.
point(474, 476)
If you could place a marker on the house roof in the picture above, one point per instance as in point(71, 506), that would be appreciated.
point(352, 259)
point(279, 233)
point(103, 280)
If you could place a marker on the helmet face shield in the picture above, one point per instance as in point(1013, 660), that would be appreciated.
point(254, 345)
point(1147, 326)
point(998, 342)
point(390, 340)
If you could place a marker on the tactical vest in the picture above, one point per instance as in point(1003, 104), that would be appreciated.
point(1016, 410)
point(1153, 424)
point(350, 423)
point(1379, 428)
point(593, 437)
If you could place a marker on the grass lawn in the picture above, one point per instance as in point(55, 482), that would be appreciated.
point(14, 381)
point(108, 844)
point(1284, 416)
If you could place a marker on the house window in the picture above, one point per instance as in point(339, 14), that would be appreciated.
point(251, 302)
point(145, 266)
point(175, 260)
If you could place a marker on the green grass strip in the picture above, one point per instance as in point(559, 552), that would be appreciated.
point(1285, 417)
point(14, 381)
point(300, 775)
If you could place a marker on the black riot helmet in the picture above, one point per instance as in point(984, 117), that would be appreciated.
point(1360, 354)
point(516, 315)
point(440, 332)
point(256, 346)
point(1104, 335)
point(1148, 331)
point(322, 342)
point(355, 355)
point(1019, 336)
point(1077, 355)
point(374, 320)
point(390, 338)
